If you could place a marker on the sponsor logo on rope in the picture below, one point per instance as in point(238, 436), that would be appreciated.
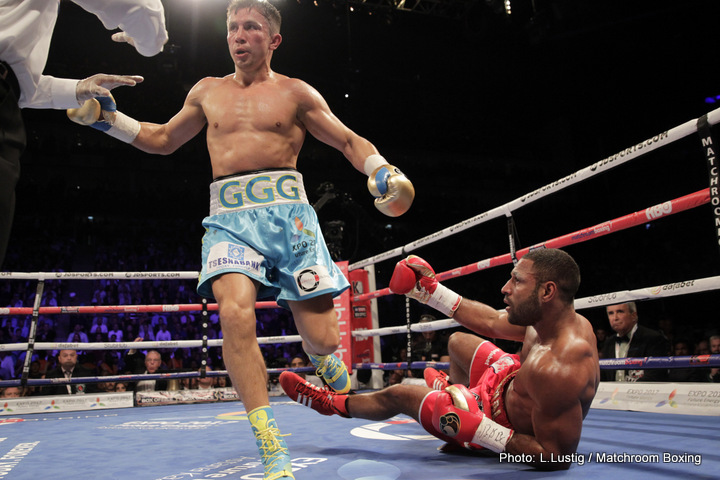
point(602, 298)
point(671, 286)
point(549, 186)
point(658, 211)
point(152, 274)
point(629, 151)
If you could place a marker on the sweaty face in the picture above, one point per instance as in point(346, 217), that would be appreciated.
point(521, 295)
point(249, 39)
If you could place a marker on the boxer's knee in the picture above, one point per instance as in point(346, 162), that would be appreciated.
point(237, 319)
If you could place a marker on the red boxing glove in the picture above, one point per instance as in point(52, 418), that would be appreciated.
point(458, 415)
point(415, 278)
point(403, 279)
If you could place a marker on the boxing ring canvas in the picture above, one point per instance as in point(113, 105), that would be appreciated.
point(206, 441)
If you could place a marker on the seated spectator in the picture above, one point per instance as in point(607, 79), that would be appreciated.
point(151, 363)
point(222, 382)
point(189, 383)
point(601, 335)
point(145, 331)
point(116, 331)
point(77, 335)
point(121, 387)
point(12, 392)
point(714, 375)
point(430, 346)
point(299, 361)
point(98, 326)
point(681, 347)
point(109, 364)
point(34, 373)
point(68, 367)
point(632, 340)
point(45, 332)
point(702, 348)
point(163, 335)
point(206, 383)
point(7, 365)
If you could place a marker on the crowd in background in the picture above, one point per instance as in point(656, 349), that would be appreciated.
point(97, 249)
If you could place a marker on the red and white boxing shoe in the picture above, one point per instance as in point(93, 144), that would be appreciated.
point(305, 393)
point(436, 379)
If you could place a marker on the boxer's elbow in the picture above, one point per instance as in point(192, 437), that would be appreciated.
point(154, 139)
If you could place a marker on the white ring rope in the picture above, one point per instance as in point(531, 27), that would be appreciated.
point(9, 347)
point(100, 275)
point(596, 168)
point(612, 298)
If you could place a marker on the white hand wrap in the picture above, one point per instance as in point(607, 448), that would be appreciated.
point(492, 435)
point(444, 300)
point(372, 163)
point(124, 128)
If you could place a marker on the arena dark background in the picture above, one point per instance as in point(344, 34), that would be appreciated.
point(475, 107)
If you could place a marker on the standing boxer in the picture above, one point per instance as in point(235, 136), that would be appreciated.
point(26, 27)
point(262, 237)
point(529, 406)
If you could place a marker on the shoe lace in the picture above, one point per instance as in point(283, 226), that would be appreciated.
point(330, 370)
point(323, 396)
point(270, 447)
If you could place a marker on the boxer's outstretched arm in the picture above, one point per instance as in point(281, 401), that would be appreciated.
point(189, 121)
point(101, 113)
point(487, 321)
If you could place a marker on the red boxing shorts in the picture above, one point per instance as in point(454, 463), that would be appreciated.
point(491, 370)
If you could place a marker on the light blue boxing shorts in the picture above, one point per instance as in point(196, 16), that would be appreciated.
point(262, 226)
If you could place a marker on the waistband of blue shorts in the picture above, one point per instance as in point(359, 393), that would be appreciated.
point(261, 188)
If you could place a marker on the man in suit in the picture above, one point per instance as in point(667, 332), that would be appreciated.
point(68, 367)
point(136, 363)
point(632, 340)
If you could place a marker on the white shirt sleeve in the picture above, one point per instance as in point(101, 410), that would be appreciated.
point(26, 28)
point(143, 20)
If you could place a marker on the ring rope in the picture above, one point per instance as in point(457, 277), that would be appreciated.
point(596, 168)
point(605, 228)
point(612, 298)
point(646, 293)
point(137, 377)
point(10, 347)
point(684, 361)
point(638, 363)
point(109, 309)
point(184, 275)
